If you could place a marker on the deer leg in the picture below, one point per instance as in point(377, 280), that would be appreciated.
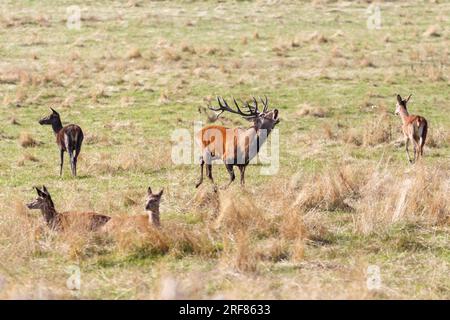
point(61, 162)
point(407, 151)
point(416, 150)
point(242, 170)
point(75, 165)
point(71, 163)
point(202, 162)
point(75, 160)
point(70, 152)
point(209, 172)
point(231, 172)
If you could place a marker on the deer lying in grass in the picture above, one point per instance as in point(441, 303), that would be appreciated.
point(414, 128)
point(60, 221)
point(140, 222)
point(236, 146)
point(68, 138)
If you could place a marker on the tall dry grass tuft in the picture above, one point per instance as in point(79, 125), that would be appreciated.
point(238, 212)
point(333, 189)
point(372, 132)
point(133, 53)
point(174, 238)
point(378, 131)
point(19, 233)
point(438, 137)
point(206, 200)
point(308, 110)
point(244, 259)
point(393, 195)
point(26, 140)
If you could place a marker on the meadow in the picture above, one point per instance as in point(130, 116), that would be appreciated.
point(344, 204)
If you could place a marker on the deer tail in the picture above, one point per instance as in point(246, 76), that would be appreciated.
point(423, 130)
point(73, 138)
point(424, 133)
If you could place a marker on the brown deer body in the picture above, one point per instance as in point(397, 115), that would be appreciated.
point(235, 146)
point(61, 221)
point(414, 128)
point(68, 139)
point(141, 223)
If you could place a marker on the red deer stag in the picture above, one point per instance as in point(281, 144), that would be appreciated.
point(60, 221)
point(414, 128)
point(68, 138)
point(235, 146)
point(140, 222)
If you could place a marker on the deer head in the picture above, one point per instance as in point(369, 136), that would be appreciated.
point(152, 205)
point(44, 203)
point(153, 199)
point(401, 104)
point(262, 119)
point(50, 119)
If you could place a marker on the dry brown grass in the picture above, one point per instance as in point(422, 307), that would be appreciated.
point(133, 53)
point(432, 31)
point(374, 131)
point(171, 55)
point(27, 157)
point(308, 110)
point(318, 38)
point(26, 140)
point(417, 195)
point(438, 137)
point(333, 189)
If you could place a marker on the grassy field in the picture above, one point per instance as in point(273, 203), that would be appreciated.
point(344, 201)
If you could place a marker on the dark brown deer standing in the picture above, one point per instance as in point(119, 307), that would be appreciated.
point(68, 138)
point(235, 146)
point(60, 221)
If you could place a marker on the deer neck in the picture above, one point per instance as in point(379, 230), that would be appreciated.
point(257, 137)
point(154, 217)
point(49, 213)
point(403, 114)
point(57, 126)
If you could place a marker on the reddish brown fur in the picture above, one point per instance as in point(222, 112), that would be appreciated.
point(414, 128)
point(63, 220)
point(235, 146)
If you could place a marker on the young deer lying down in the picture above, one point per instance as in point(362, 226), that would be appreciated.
point(62, 220)
point(141, 222)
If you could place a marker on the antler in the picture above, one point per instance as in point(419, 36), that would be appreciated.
point(265, 103)
point(223, 106)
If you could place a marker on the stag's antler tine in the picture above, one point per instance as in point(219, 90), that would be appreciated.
point(256, 104)
point(266, 103)
point(237, 106)
point(223, 106)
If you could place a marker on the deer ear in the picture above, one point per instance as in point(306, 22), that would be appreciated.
point(275, 114)
point(399, 99)
point(45, 190)
point(407, 99)
point(161, 192)
point(54, 111)
point(39, 192)
point(149, 191)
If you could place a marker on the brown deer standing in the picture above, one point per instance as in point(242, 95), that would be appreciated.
point(60, 221)
point(414, 128)
point(141, 222)
point(236, 146)
point(68, 138)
